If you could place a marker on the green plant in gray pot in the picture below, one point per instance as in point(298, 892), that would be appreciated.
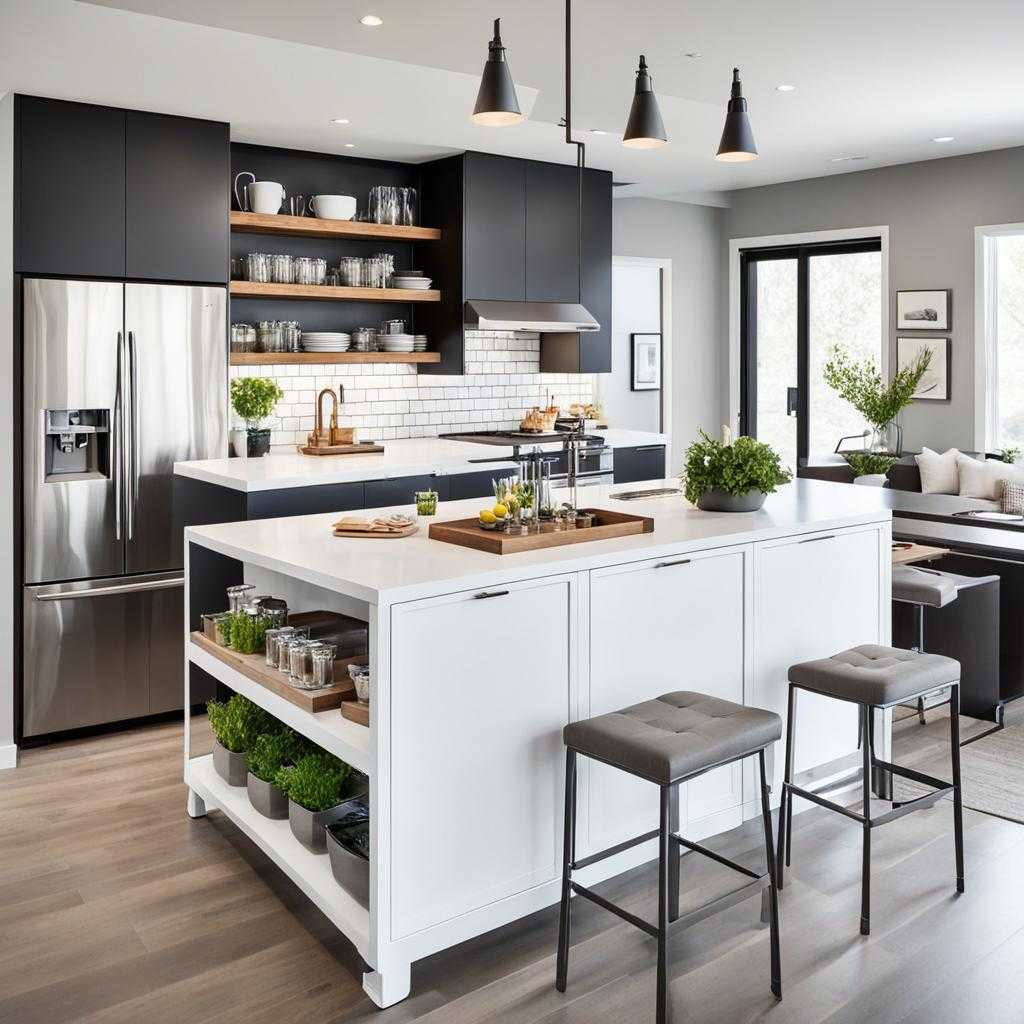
point(271, 752)
point(320, 788)
point(235, 725)
point(254, 398)
point(731, 476)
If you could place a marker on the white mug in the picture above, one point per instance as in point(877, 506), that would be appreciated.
point(333, 207)
point(265, 196)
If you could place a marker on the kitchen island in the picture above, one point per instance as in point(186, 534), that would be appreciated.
point(479, 660)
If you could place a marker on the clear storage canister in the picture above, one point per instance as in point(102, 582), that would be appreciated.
point(364, 339)
point(272, 639)
point(239, 595)
point(300, 663)
point(257, 267)
point(281, 268)
point(323, 665)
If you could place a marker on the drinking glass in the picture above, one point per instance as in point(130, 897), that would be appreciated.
point(408, 206)
point(322, 658)
point(257, 267)
point(426, 503)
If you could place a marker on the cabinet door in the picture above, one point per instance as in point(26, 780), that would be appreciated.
point(304, 501)
point(479, 696)
point(552, 233)
point(478, 485)
point(656, 627)
point(644, 463)
point(596, 346)
point(402, 489)
point(176, 192)
point(815, 596)
point(69, 205)
point(495, 228)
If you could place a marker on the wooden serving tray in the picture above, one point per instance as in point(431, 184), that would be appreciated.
point(365, 448)
point(607, 525)
point(254, 667)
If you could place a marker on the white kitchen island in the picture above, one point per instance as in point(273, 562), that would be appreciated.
point(479, 660)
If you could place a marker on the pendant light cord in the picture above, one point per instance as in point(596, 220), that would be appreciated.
point(581, 148)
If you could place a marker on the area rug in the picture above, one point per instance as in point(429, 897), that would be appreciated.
point(992, 769)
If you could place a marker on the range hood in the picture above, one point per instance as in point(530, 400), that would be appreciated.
point(542, 317)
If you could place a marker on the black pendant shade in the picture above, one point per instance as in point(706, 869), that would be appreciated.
point(645, 128)
point(496, 102)
point(737, 143)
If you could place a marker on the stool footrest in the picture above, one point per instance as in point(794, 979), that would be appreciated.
point(716, 906)
point(711, 855)
point(638, 922)
point(585, 862)
point(917, 804)
point(822, 802)
point(909, 773)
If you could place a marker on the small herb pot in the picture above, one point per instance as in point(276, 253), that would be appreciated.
point(720, 501)
point(349, 865)
point(258, 443)
point(266, 798)
point(231, 767)
point(310, 827)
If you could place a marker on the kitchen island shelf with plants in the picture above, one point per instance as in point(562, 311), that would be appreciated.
point(465, 761)
point(331, 293)
point(314, 227)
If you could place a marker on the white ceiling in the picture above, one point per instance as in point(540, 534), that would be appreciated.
point(875, 78)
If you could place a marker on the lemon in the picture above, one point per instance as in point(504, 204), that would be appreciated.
point(487, 516)
point(499, 511)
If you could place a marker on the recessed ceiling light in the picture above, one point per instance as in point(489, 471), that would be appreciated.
point(785, 88)
point(340, 120)
point(371, 21)
point(694, 55)
point(845, 159)
point(944, 138)
point(350, 145)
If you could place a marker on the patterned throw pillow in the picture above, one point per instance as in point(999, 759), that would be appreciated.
point(1012, 500)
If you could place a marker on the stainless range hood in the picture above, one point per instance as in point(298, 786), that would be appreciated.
point(542, 317)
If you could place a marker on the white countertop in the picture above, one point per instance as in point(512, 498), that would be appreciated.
point(405, 457)
point(404, 569)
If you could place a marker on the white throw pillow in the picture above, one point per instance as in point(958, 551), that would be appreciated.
point(984, 479)
point(939, 472)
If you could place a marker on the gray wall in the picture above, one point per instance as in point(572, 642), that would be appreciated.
point(691, 236)
point(932, 209)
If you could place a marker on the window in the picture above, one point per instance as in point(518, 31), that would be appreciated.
point(1002, 337)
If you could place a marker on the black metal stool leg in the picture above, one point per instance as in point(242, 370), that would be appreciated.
point(673, 860)
point(769, 849)
point(865, 883)
point(664, 851)
point(958, 807)
point(786, 799)
point(568, 856)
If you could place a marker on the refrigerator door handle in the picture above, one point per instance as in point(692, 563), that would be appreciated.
point(133, 420)
point(120, 588)
point(118, 438)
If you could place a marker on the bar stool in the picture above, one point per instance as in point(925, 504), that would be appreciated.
point(666, 741)
point(929, 588)
point(875, 677)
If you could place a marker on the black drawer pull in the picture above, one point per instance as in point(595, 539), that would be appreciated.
point(814, 540)
point(651, 448)
point(484, 594)
point(667, 565)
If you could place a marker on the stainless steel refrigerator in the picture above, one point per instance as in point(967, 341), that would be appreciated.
point(120, 382)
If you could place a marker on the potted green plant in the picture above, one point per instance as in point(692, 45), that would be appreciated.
point(860, 383)
point(319, 787)
point(254, 398)
point(870, 468)
point(271, 752)
point(731, 476)
point(235, 724)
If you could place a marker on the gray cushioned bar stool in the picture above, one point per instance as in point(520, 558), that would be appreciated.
point(666, 741)
point(875, 677)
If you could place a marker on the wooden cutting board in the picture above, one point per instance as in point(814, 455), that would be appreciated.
point(407, 531)
point(342, 449)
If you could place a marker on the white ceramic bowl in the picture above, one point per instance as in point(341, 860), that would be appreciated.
point(334, 207)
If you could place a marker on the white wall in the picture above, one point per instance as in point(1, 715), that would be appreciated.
point(8, 751)
point(636, 308)
point(691, 237)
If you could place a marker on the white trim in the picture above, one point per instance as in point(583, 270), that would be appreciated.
point(667, 341)
point(986, 355)
point(8, 756)
point(880, 232)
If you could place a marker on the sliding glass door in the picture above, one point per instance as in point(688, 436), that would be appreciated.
point(797, 303)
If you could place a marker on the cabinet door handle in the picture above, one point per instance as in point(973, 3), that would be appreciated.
point(814, 540)
point(651, 448)
point(484, 594)
point(666, 565)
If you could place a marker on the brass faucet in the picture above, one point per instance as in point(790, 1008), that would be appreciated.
point(321, 438)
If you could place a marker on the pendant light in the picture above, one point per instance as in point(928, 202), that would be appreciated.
point(737, 143)
point(645, 128)
point(496, 102)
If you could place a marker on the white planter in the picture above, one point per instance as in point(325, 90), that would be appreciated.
point(240, 443)
point(871, 480)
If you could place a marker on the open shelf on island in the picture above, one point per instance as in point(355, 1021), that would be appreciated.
point(314, 227)
point(298, 358)
point(311, 872)
point(331, 293)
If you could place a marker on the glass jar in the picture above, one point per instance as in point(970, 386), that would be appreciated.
point(239, 595)
point(274, 636)
point(291, 336)
point(284, 645)
point(281, 268)
point(322, 659)
point(268, 336)
point(303, 271)
point(364, 339)
point(257, 267)
point(426, 503)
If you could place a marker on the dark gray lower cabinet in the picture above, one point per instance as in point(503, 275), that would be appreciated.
point(644, 463)
point(304, 501)
point(400, 490)
point(476, 485)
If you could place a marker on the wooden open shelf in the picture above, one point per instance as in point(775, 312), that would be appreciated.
point(312, 227)
point(330, 293)
point(298, 358)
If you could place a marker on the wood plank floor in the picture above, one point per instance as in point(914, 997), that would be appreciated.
point(115, 907)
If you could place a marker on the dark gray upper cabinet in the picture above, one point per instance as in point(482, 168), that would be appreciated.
point(176, 197)
point(596, 346)
point(494, 227)
point(69, 189)
point(552, 233)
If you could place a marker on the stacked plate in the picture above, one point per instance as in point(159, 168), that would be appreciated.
point(325, 341)
point(410, 279)
point(419, 343)
point(397, 342)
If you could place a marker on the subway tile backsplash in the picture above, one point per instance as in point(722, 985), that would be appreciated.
point(390, 400)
